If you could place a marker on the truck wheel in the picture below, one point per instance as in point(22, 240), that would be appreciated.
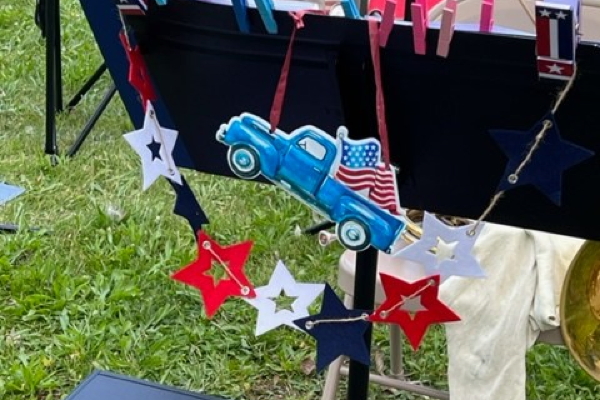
point(353, 234)
point(244, 161)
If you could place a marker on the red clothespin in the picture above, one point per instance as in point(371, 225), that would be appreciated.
point(486, 21)
point(138, 74)
point(387, 22)
point(557, 36)
point(447, 28)
point(378, 7)
point(419, 25)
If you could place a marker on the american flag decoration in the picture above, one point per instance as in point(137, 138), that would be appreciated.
point(361, 169)
point(132, 7)
point(384, 192)
point(358, 163)
point(557, 30)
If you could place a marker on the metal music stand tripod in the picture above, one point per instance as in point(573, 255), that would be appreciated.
point(47, 18)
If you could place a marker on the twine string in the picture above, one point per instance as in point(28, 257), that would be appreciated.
point(244, 289)
point(385, 313)
point(514, 177)
point(311, 324)
point(162, 141)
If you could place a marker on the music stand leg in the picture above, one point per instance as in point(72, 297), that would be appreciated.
point(364, 299)
point(92, 121)
point(58, 58)
point(86, 87)
point(50, 9)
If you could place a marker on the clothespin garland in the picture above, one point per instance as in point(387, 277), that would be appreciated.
point(350, 9)
point(265, 9)
point(378, 7)
point(557, 36)
point(420, 23)
point(240, 10)
point(447, 28)
point(132, 7)
point(387, 21)
point(486, 21)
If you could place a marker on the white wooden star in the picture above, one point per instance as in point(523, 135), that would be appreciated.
point(453, 246)
point(282, 283)
point(561, 15)
point(555, 69)
point(154, 144)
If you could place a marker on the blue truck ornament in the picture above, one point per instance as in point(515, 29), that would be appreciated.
point(303, 163)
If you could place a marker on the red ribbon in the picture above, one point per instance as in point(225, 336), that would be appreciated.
point(138, 76)
point(379, 97)
point(279, 97)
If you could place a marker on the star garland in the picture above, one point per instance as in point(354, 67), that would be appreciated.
point(444, 251)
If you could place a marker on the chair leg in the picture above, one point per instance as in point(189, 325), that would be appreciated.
point(332, 379)
point(396, 363)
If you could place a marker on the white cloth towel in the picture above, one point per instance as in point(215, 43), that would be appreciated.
point(503, 314)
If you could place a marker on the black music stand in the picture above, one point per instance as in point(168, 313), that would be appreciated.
point(448, 164)
point(47, 17)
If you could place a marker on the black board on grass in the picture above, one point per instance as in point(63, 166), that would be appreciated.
point(439, 111)
point(101, 385)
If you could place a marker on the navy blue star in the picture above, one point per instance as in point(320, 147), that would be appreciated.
point(335, 339)
point(187, 206)
point(553, 156)
point(154, 148)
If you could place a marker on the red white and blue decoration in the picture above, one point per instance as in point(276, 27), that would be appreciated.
point(557, 36)
point(329, 175)
point(445, 250)
point(201, 275)
point(545, 169)
point(270, 298)
point(154, 144)
point(414, 306)
point(337, 330)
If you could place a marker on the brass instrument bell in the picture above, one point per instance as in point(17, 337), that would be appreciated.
point(580, 308)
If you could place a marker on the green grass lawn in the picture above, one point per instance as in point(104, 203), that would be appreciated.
point(93, 291)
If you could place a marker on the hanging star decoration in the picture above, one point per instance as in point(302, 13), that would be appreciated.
point(138, 75)
point(551, 158)
point(337, 330)
point(211, 255)
point(282, 283)
point(187, 206)
point(444, 250)
point(413, 306)
point(154, 144)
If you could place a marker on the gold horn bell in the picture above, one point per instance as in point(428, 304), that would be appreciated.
point(580, 308)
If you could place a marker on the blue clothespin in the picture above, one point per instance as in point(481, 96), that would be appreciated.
point(350, 9)
point(161, 2)
point(265, 8)
point(241, 15)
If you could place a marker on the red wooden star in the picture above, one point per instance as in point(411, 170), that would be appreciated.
point(138, 73)
point(414, 306)
point(232, 258)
